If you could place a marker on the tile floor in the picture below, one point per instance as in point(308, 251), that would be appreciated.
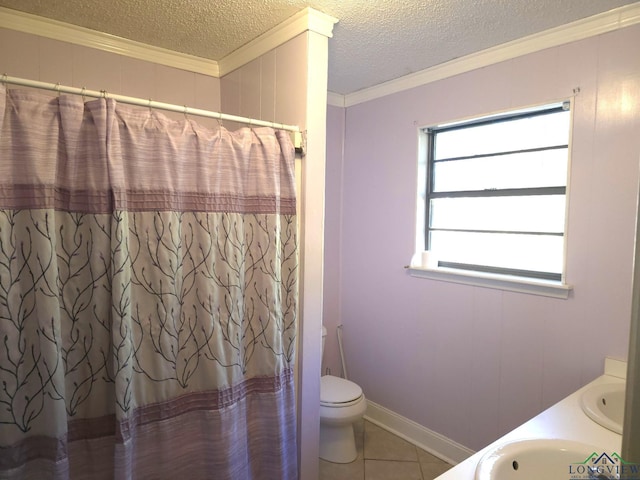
point(383, 456)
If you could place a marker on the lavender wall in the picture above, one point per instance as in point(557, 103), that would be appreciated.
point(472, 363)
point(332, 239)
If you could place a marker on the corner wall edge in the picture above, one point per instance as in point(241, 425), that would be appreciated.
point(305, 20)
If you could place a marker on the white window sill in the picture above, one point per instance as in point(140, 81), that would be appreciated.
point(547, 288)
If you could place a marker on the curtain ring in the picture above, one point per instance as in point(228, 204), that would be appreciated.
point(220, 127)
point(57, 88)
point(84, 89)
point(104, 94)
point(4, 79)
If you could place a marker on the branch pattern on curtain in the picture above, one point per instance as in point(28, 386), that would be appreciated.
point(148, 295)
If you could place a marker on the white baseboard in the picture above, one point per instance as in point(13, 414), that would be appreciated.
point(428, 440)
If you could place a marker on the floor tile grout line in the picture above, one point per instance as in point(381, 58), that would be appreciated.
point(422, 469)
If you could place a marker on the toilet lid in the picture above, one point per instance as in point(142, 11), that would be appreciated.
point(338, 390)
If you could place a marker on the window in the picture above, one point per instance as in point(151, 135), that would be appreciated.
point(494, 193)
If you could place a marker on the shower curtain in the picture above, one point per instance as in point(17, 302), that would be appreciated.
point(148, 295)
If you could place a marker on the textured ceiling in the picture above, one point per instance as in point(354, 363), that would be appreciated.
point(374, 41)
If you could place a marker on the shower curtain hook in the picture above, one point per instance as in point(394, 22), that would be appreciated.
point(4, 79)
point(57, 88)
point(104, 94)
point(188, 120)
point(84, 89)
point(220, 127)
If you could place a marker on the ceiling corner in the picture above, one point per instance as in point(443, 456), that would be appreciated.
point(305, 20)
point(319, 22)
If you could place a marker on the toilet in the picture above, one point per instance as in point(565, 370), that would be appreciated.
point(342, 403)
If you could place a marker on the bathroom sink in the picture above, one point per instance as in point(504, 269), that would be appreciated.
point(604, 404)
point(548, 459)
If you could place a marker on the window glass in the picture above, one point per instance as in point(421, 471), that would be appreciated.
point(494, 194)
point(530, 253)
point(503, 136)
point(545, 168)
point(532, 213)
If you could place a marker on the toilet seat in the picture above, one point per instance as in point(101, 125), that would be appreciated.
point(338, 392)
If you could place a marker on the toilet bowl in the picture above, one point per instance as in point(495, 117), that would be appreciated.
point(342, 403)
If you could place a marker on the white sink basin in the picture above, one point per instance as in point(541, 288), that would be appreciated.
point(535, 459)
point(604, 404)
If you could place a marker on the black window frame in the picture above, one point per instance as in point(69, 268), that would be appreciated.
point(431, 134)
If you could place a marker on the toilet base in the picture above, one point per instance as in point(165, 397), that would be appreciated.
point(337, 443)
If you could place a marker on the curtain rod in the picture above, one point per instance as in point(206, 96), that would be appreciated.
point(149, 103)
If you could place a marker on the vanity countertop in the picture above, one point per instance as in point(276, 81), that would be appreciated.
point(564, 420)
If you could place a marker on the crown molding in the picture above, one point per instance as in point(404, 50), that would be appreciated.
point(591, 26)
point(307, 19)
point(335, 99)
point(44, 27)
